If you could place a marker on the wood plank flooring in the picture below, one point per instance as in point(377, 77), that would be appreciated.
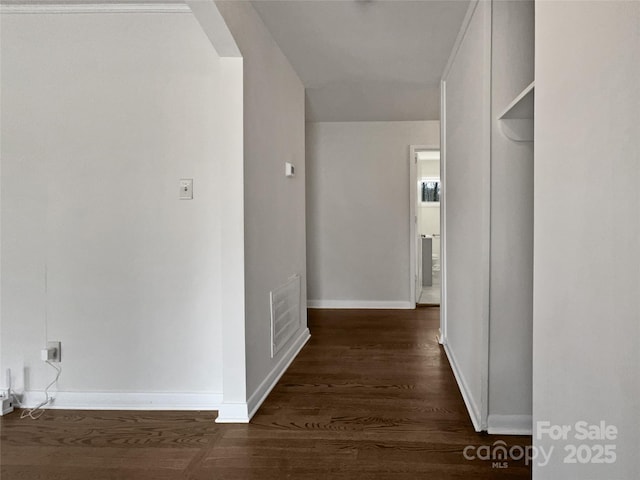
point(371, 396)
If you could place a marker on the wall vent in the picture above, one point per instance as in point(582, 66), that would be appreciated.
point(285, 313)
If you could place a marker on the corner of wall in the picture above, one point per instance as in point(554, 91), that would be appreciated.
point(233, 413)
point(258, 397)
point(467, 395)
point(510, 424)
point(243, 412)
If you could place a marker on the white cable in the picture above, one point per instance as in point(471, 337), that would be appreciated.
point(37, 411)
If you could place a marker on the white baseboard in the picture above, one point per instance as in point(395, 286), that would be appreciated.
point(233, 413)
point(472, 406)
point(510, 424)
point(360, 304)
point(244, 412)
point(124, 401)
point(260, 395)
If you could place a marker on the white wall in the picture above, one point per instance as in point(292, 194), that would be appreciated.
point(274, 205)
point(358, 211)
point(512, 166)
point(101, 116)
point(429, 220)
point(467, 182)
point(428, 168)
point(586, 276)
point(489, 218)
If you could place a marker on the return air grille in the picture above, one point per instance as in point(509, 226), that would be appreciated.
point(285, 313)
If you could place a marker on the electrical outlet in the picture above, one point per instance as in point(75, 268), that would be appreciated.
point(57, 351)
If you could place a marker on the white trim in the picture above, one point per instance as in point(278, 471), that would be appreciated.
point(467, 396)
point(261, 393)
point(510, 425)
point(413, 227)
point(244, 412)
point(124, 401)
point(359, 304)
point(233, 413)
point(486, 240)
point(443, 214)
point(71, 8)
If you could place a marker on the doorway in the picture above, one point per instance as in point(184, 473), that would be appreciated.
point(426, 194)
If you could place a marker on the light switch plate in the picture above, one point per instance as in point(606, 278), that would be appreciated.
point(186, 189)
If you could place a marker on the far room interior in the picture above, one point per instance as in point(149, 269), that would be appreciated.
point(428, 226)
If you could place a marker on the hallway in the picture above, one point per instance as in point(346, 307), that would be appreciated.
point(371, 396)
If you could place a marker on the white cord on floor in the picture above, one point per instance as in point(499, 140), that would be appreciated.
point(37, 411)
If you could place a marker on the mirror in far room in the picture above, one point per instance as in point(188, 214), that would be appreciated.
point(430, 190)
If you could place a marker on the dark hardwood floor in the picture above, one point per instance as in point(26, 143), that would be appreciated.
point(371, 396)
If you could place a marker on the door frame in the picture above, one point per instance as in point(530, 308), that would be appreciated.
point(413, 217)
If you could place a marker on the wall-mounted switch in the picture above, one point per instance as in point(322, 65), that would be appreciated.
point(186, 189)
point(289, 169)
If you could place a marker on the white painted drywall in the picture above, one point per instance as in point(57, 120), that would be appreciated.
point(428, 168)
point(467, 191)
point(586, 360)
point(274, 205)
point(358, 209)
point(101, 116)
point(232, 261)
point(429, 220)
point(511, 305)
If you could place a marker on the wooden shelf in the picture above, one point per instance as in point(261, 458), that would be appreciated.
point(517, 119)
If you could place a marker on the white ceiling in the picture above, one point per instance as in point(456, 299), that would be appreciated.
point(367, 60)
